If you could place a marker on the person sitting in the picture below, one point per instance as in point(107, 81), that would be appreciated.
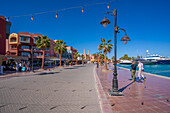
point(24, 68)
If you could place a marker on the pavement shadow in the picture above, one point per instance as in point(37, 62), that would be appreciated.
point(122, 89)
point(79, 66)
point(137, 80)
point(47, 73)
point(70, 68)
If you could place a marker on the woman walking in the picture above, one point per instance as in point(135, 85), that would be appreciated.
point(133, 71)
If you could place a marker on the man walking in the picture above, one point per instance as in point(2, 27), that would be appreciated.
point(141, 69)
point(133, 71)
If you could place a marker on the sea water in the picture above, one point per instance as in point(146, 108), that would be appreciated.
point(163, 70)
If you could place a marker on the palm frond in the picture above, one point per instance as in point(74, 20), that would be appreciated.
point(109, 40)
point(103, 40)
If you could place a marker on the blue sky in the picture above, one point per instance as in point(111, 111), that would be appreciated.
point(146, 21)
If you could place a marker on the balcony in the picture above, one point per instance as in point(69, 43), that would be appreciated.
point(35, 39)
point(37, 56)
point(26, 50)
point(13, 38)
point(24, 39)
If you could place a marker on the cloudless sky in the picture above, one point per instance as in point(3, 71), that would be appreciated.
point(146, 21)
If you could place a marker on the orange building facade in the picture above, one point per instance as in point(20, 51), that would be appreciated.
point(22, 45)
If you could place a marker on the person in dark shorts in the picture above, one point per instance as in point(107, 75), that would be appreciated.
point(133, 70)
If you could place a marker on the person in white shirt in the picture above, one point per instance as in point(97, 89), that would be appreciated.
point(17, 66)
point(140, 72)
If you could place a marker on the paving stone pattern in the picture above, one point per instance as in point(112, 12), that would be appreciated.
point(62, 90)
point(149, 96)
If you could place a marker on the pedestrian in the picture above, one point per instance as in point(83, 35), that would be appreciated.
point(28, 66)
point(141, 69)
point(23, 67)
point(20, 66)
point(17, 66)
point(133, 70)
point(11, 66)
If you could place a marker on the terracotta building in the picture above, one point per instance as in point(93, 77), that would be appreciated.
point(23, 44)
point(20, 46)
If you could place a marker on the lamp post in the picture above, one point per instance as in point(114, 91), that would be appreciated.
point(125, 39)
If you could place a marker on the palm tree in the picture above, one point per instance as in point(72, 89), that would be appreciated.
point(82, 56)
point(95, 55)
point(87, 57)
point(98, 56)
point(106, 46)
point(43, 43)
point(60, 48)
point(76, 55)
point(101, 59)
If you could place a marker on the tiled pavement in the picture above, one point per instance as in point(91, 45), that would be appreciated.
point(62, 90)
point(149, 96)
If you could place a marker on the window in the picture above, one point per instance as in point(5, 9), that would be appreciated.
point(25, 54)
point(46, 54)
point(13, 40)
point(47, 49)
point(39, 54)
point(24, 39)
point(35, 54)
point(35, 39)
point(13, 53)
point(25, 47)
point(35, 48)
point(13, 47)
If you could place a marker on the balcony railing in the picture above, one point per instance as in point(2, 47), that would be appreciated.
point(25, 41)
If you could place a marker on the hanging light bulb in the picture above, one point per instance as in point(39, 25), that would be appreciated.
point(56, 15)
point(108, 6)
point(7, 19)
point(82, 10)
point(32, 18)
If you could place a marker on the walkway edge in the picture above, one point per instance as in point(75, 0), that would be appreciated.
point(104, 104)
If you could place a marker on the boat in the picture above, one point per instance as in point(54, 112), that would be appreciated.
point(153, 59)
point(166, 61)
point(145, 62)
point(125, 62)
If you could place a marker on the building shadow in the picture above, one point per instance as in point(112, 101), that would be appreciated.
point(122, 89)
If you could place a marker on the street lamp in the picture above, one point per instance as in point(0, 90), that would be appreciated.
point(125, 39)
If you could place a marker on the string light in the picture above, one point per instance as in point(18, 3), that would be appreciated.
point(32, 18)
point(56, 15)
point(108, 6)
point(82, 10)
point(65, 9)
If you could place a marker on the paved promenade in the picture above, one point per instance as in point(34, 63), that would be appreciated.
point(149, 96)
point(62, 90)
